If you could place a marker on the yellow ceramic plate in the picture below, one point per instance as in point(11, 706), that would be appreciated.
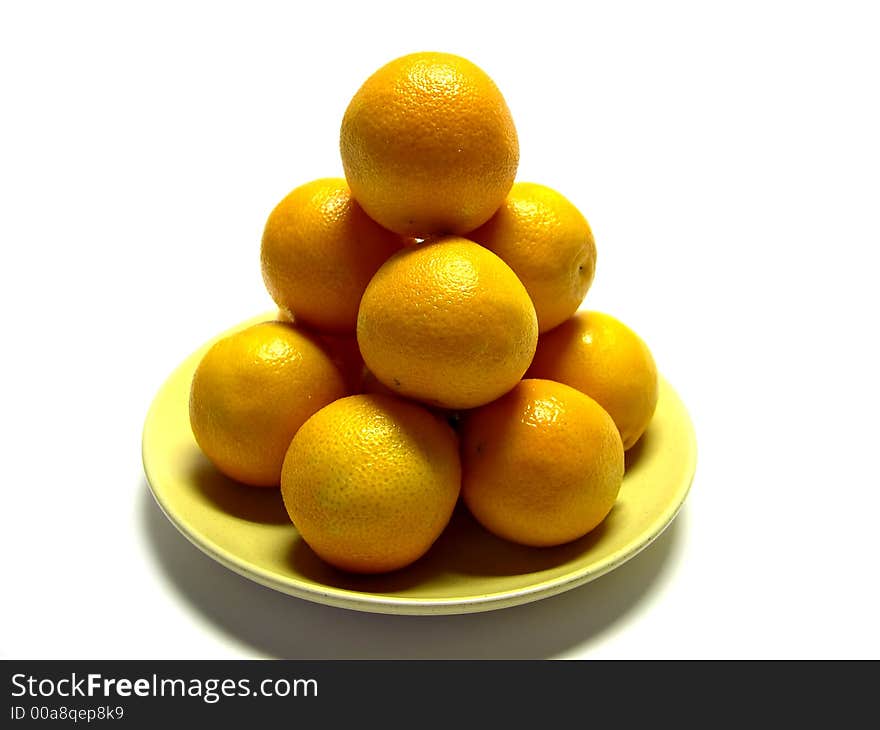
point(247, 529)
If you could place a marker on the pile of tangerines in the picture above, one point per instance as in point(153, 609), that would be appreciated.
point(429, 343)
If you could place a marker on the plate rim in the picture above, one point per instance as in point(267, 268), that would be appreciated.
point(373, 603)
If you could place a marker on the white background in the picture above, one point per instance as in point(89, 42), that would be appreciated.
point(728, 160)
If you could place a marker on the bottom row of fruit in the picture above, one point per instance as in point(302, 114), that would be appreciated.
point(370, 480)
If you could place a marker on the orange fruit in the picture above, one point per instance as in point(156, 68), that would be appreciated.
point(548, 243)
point(447, 323)
point(370, 481)
point(428, 145)
point(318, 253)
point(605, 359)
point(542, 465)
point(250, 393)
